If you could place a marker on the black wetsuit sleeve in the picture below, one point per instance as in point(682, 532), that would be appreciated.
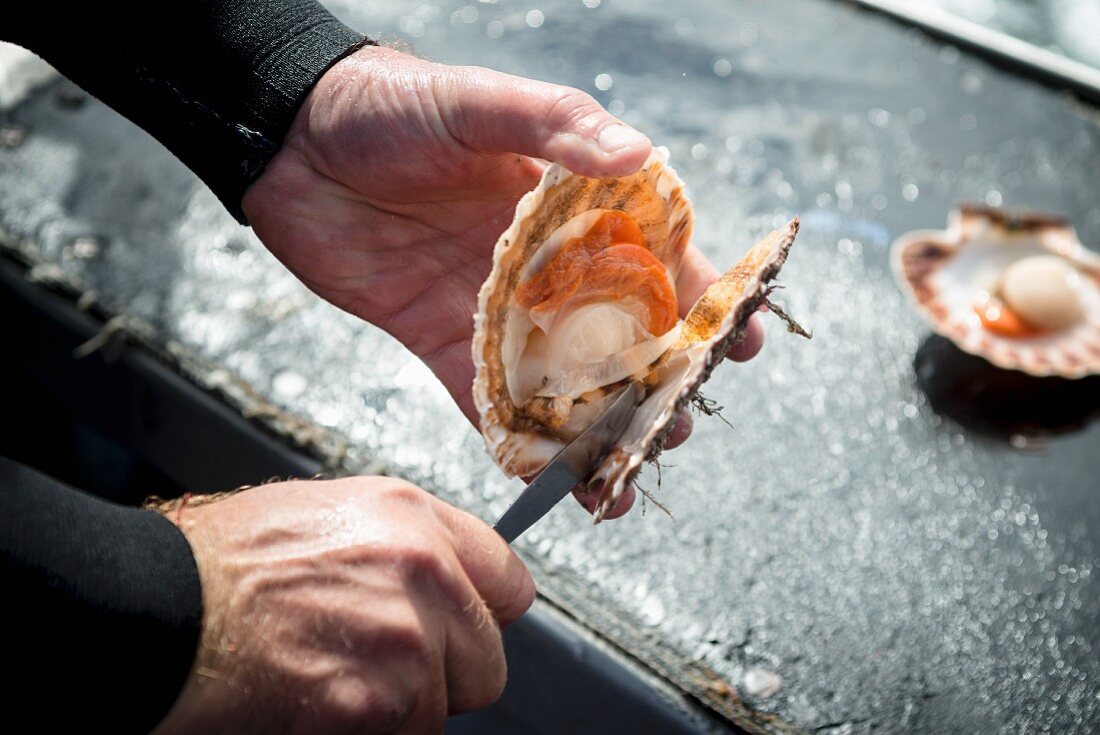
point(218, 82)
point(102, 608)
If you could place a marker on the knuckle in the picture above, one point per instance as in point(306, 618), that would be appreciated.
point(351, 701)
point(402, 492)
point(492, 678)
point(407, 640)
point(421, 562)
point(387, 709)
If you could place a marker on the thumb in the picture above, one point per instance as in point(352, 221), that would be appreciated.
point(492, 112)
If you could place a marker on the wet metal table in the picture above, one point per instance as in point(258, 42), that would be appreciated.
point(892, 535)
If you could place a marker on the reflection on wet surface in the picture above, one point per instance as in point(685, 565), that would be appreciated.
point(1005, 403)
point(892, 567)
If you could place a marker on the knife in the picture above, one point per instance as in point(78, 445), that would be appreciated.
point(571, 465)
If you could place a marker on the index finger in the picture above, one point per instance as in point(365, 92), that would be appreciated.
point(696, 274)
point(499, 576)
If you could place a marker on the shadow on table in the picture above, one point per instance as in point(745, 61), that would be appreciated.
point(1004, 403)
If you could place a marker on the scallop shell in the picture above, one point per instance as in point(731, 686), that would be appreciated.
point(942, 271)
point(655, 198)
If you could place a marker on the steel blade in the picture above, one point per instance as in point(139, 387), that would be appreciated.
point(570, 466)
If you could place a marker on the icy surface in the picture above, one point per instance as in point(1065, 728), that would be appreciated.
point(896, 557)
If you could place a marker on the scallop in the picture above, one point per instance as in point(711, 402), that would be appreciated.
point(1019, 290)
point(1045, 291)
point(584, 300)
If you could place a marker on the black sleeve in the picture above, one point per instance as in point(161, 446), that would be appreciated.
point(216, 81)
point(102, 608)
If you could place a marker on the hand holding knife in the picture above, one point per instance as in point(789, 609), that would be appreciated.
point(571, 465)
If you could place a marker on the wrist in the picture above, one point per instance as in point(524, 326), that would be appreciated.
point(198, 706)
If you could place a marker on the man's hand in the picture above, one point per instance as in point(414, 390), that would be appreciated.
point(399, 175)
point(361, 605)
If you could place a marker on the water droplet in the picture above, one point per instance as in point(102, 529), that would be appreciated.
point(85, 247)
point(722, 67)
point(328, 415)
point(993, 198)
point(494, 29)
point(289, 384)
point(733, 144)
point(12, 136)
point(411, 26)
point(749, 33)
point(241, 299)
point(591, 3)
point(699, 151)
point(652, 610)
point(910, 192)
point(761, 683)
point(879, 117)
point(466, 15)
point(971, 83)
point(683, 27)
point(616, 107)
point(535, 18)
point(604, 82)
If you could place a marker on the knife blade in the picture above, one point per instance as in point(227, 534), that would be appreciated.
point(571, 465)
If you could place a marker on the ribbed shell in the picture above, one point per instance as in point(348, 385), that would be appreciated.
point(943, 270)
point(715, 323)
point(656, 199)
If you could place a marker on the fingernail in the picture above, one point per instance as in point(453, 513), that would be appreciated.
point(616, 137)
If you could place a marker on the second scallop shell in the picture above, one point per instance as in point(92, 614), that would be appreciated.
point(1017, 289)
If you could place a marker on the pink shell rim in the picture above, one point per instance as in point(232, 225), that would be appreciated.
point(1053, 231)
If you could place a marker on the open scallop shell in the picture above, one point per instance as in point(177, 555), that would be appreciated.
point(943, 270)
point(521, 442)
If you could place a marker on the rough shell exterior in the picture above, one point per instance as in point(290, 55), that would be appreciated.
point(656, 199)
point(942, 284)
point(716, 322)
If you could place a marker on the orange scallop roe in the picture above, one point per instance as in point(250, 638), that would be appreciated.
point(999, 318)
point(610, 262)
